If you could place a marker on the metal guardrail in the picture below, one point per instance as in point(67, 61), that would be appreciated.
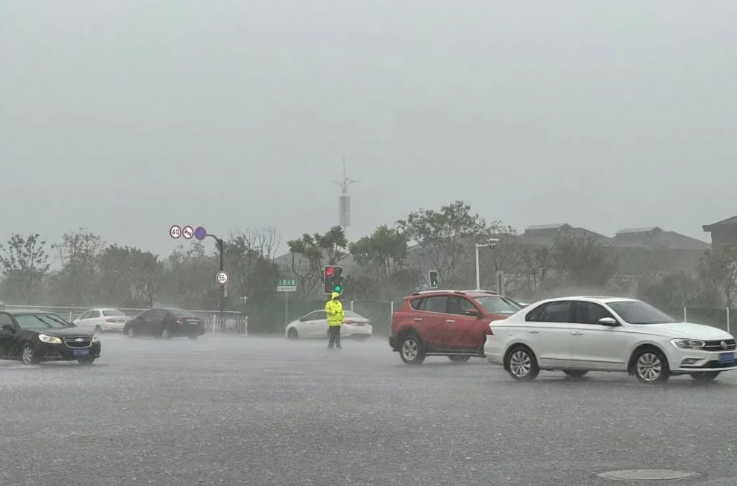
point(231, 322)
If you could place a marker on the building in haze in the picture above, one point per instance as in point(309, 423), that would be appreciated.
point(723, 232)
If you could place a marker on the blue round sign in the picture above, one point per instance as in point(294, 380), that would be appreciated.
point(200, 233)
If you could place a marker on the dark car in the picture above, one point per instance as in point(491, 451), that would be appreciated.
point(34, 336)
point(165, 323)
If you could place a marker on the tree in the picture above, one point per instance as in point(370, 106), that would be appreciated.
point(189, 278)
point(78, 253)
point(24, 263)
point(308, 253)
point(718, 267)
point(445, 237)
point(581, 262)
point(129, 276)
point(381, 255)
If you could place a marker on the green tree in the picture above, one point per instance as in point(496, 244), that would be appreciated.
point(381, 256)
point(718, 268)
point(445, 237)
point(24, 264)
point(581, 262)
point(309, 253)
point(128, 276)
point(78, 252)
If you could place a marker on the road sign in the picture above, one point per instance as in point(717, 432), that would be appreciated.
point(188, 232)
point(222, 278)
point(286, 285)
point(175, 231)
point(200, 233)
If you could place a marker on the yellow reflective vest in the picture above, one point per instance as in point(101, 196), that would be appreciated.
point(334, 310)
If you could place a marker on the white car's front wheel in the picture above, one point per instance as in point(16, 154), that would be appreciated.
point(651, 366)
point(292, 334)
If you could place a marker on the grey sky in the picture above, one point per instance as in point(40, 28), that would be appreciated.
point(127, 116)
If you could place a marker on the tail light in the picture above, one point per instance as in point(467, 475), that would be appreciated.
point(349, 321)
point(110, 320)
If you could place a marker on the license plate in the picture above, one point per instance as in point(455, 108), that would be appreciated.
point(78, 353)
point(726, 357)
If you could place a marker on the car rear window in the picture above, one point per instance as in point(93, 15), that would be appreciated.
point(112, 313)
point(181, 313)
point(416, 304)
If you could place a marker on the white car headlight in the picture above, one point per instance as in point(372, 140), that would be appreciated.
point(688, 343)
point(95, 339)
point(49, 339)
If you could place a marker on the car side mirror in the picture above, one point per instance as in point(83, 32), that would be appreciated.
point(302, 319)
point(8, 327)
point(473, 313)
point(608, 321)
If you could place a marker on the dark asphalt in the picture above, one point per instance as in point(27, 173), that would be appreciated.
point(261, 411)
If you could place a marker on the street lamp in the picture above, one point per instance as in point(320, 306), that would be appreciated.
point(490, 243)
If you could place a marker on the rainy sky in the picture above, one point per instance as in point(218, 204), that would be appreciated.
point(128, 116)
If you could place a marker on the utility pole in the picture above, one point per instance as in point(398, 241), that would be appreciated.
point(221, 249)
point(344, 201)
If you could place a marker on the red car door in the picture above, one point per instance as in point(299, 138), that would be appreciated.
point(430, 321)
point(467, 332)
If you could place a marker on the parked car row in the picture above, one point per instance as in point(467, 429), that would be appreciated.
point(33, 336)
point(574, 335)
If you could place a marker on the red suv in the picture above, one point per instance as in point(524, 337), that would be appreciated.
point(447, 323)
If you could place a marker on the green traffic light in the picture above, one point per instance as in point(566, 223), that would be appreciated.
point(337, 288)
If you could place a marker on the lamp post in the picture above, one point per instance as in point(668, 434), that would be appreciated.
point(490, 243)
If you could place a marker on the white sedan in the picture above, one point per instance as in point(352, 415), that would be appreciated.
point(102, 320)
point(315, 325)
point(581, 334)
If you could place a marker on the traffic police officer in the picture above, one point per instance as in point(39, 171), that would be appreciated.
point(336, 317)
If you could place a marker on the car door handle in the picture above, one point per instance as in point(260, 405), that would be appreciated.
point(577, 333)
point(450, 321)
point(533, 332)
point(418, 318)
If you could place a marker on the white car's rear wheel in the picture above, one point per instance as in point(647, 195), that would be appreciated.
point(522, 364)
point(98, 329)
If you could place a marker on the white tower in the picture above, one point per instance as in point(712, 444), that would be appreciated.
point(344, 201)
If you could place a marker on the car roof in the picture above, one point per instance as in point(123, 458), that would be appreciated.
point(472, 293)
point(600, 299)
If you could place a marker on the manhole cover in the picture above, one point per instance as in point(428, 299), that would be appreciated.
point(646, 474)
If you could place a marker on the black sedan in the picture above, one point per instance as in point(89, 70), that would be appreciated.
point(165, 323)
point(33, 336)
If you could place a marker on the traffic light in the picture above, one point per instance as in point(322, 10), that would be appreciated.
point(338, 279)
point(327, 278)
point(433, 278)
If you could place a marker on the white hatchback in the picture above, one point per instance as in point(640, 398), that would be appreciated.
point(102, 320)
point(581, 334)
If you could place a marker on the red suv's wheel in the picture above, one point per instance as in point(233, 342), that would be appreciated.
point(411, 350)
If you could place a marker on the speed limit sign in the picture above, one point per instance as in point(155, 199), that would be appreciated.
point(222, 278)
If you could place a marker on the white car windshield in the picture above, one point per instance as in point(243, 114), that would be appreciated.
point(637, 312)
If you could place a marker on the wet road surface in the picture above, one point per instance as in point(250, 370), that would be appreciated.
point(266, 411)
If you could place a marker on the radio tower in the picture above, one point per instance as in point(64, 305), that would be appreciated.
point(344, 202)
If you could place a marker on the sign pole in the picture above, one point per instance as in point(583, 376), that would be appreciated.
point(286, 308)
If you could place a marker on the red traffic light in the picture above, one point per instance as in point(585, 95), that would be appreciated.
point(329, 271)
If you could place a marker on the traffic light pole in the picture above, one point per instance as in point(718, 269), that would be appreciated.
point(220, 245)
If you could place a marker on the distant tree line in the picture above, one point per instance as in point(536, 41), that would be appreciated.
point(386, 265)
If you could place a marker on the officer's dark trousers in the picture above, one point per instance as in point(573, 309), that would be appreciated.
point(333, 336)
